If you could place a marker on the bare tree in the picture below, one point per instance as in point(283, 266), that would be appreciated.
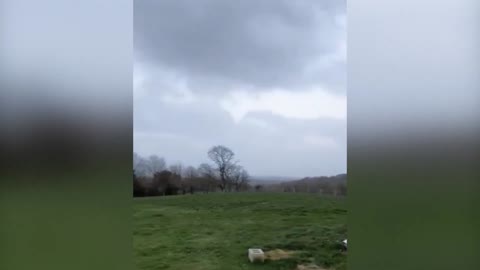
point(161, 182)
point(165, 183)
point(190, 172)
point(223, 158)
point(141, 165)
point(209, 177)
point(244, 180)
point(176, 168)
point(177, 175)
point(157, 164)
point(148, 166)
point(139, 189)
point(136, 159)
point(190, 178)
point(239, 178)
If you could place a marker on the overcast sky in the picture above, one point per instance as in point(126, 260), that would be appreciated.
point(265, 78)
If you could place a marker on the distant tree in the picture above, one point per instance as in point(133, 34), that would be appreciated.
point(190, 178)
point(176, 168)
point(136, 158)
point(208, 177)
point(190, 172)
point(138, 186)
point(177, 176)
point(175, 185)
point(141, 165)
point(223, 158)
point(164, 183)
point(239, 178)
point(258, 187)
point(148, 166)
point(244, 180)
point(157, 164)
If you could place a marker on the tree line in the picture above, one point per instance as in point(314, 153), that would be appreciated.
point(325, 185)
point(152, 176)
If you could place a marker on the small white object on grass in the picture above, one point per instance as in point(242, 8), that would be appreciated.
point(256, 255)
point(345, 242)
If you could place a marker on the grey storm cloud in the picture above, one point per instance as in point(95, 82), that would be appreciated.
point(193, 59)
point(270, 43)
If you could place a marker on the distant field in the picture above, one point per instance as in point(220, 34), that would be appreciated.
point(214, 231)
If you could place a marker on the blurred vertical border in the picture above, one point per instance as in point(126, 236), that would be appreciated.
point(65, 134)
point(413, 134)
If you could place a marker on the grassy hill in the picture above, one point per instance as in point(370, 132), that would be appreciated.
point(214, 231)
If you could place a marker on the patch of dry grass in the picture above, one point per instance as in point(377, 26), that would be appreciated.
point(278, 254)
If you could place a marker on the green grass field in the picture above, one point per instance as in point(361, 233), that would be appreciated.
point(214, 231)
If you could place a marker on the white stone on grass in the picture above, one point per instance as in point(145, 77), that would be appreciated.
point(256, 255)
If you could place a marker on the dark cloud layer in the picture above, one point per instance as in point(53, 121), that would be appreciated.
point(265, 43)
